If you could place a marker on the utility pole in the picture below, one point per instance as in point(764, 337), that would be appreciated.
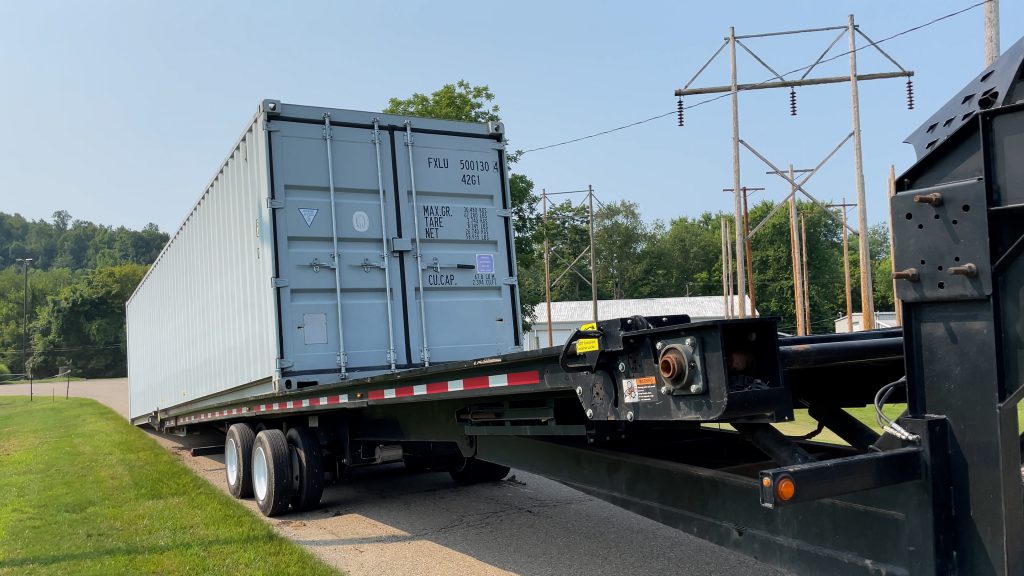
point(798, 282)
point(779, 81)
point(846, 266)
point(25, 263)
point(806, 287)
point(794, 242)
point(570, 266)
point(991, 31)
point(547, 265)
point(741, 284)
point(867, 303)
point(593, 254)
point(729, 270)
point(725, 268)
point(746, 241)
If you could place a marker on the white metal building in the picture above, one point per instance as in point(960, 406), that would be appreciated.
point(568, 316)
point(882, 320)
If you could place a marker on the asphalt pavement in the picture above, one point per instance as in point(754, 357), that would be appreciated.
point(385, 520)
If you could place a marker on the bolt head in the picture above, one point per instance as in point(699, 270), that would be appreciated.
point(622, 367)
point(691, 342)
point(590, 414)
point(666, 390)
point(579, 391)
point(696, 388)
point(629, 416)
point(659, 345)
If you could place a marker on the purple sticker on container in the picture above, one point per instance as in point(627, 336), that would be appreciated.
point(485, 263)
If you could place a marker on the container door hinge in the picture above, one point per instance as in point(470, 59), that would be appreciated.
point(269, 127)
point(275, 203)
point(283, 363)
point(511, 281)
point(503, 212)
point(279, 282)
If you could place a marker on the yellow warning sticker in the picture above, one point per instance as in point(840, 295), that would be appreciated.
point(587, 327)
point(586, 345)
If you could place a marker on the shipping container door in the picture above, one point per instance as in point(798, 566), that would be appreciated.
point(306, 262)
point(465, 279)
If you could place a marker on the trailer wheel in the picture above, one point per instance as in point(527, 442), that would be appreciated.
point(308, 475)
point(238, 459)
point(474, 471)
point(271, 472)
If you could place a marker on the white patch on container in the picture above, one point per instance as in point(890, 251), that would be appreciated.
point(485, 263)
point(419, 389)
point(390, 393)
point(497, 380)
point(454, 385)
point(314, 329)
point(360, 221)
point(308, 214)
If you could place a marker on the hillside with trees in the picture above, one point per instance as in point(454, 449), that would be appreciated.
point(79, 278)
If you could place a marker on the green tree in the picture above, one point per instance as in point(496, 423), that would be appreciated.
point(459, 101)
point(621, 239)
point(465, 102)
point(83, 324)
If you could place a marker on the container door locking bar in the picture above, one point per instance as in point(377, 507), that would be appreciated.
point(384, 245)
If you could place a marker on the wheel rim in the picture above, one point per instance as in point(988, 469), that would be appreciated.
point(231, 461)
point(259, 473)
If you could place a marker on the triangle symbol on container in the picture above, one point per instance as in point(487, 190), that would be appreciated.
point(308, 214)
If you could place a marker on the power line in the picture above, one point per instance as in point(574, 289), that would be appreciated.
point(721, 96)
point(72, 349)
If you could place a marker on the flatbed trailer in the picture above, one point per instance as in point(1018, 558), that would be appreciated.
point(625, 410)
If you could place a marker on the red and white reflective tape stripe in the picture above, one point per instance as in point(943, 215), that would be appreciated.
point(474, 383)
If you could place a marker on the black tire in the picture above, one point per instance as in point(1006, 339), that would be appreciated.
point(238, 460)
point(467, 471)
point(270, 457)
point(308, 477)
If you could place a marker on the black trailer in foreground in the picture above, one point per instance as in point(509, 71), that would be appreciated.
point(620, 411)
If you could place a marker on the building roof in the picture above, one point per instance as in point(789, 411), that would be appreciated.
point(581, 310)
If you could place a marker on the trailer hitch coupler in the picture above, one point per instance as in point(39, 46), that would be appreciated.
point(673, 365)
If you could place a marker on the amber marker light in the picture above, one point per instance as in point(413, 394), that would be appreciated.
point(766, 482)
point(784, 488)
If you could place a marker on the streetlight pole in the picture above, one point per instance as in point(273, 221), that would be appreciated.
point(25, 262)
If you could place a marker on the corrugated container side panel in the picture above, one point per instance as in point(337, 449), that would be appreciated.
point(202, 321)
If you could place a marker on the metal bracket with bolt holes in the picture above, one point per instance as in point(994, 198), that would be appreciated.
point(941, 243)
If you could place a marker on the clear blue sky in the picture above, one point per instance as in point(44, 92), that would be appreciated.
point(120, 112)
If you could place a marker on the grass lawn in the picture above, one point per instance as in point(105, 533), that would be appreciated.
point(84, 492)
